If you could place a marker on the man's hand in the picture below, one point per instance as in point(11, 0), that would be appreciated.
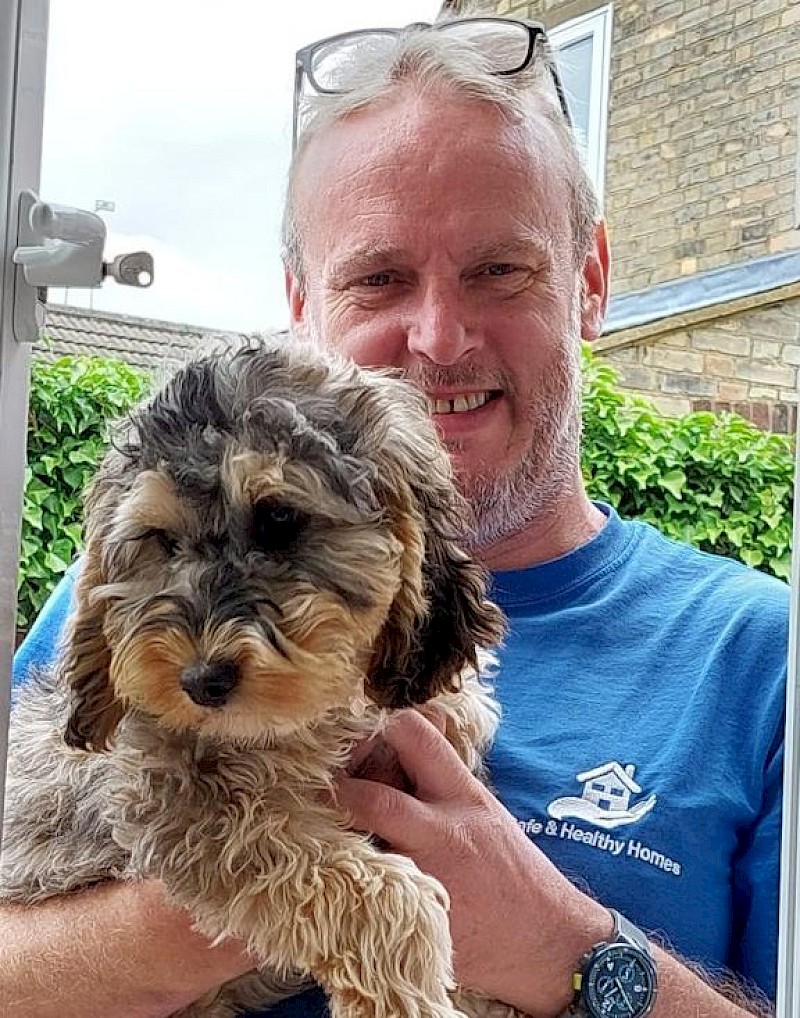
point(519, 927)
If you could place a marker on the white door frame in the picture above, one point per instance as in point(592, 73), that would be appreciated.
point(23, 50)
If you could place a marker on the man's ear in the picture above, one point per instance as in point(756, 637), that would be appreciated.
point(296, 300)
point(594, 278)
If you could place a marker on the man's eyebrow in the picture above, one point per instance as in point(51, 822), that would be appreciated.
point(365, 260)
point(518, 246)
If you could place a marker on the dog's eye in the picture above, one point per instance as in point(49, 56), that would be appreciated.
point(167, 543)
point(276, 526)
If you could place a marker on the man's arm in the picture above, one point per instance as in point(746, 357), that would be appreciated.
point(687, 991)
point(114, 949)
point(519, 926)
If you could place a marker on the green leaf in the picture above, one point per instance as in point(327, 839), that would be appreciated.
point(674, 482)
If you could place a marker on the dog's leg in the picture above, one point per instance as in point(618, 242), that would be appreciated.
point(391, 954)
point(368, 926)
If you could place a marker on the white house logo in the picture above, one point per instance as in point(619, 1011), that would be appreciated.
point(606, 798)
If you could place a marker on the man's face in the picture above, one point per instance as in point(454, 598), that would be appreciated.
point(437, 239)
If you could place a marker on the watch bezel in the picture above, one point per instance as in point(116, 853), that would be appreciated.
point(589, 998)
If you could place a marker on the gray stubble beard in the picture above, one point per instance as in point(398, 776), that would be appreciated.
point(504, 505)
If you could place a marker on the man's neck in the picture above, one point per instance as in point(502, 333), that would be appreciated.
point(565, 527)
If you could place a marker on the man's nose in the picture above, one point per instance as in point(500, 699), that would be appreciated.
point(439, 330)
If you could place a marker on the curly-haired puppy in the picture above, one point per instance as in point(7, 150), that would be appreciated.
point(272, 560)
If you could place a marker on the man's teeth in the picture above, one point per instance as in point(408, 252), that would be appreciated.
point(458, 404)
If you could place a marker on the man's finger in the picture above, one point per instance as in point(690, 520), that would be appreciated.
point(434, 768)
point(375, 760)
point(374, 808)
point(435, 715)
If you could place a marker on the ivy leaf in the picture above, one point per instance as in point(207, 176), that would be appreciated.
point(674, 481)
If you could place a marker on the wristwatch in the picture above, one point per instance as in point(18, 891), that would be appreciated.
point(616, 978)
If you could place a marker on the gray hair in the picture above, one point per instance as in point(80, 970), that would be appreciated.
point(430, 62)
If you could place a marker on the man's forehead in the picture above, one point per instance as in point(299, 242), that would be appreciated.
point(411, 127)
point(398, 157)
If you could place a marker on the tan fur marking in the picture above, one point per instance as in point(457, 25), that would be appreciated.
point(249, 476)
point(323, 643)
point(154, 503)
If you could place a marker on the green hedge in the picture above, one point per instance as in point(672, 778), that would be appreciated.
point(714, 481)
point(71, 402)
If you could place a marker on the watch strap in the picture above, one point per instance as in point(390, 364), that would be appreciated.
point(625, 932)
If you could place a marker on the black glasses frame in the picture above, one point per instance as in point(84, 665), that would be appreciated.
point(304, 58)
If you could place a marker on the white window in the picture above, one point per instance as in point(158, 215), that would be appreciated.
point(797, 182)
point(583, 52)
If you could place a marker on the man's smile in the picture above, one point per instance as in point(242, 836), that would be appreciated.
point(459, 403)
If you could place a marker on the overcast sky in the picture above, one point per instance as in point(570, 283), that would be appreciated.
point(179, 112)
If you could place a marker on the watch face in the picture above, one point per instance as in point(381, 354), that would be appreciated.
point(619, 983)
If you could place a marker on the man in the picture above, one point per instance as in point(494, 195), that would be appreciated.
point(439, 221)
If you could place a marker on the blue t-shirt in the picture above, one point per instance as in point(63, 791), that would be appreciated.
point(642, 686)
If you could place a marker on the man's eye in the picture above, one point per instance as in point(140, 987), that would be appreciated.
point(499, 269)
point(276, 526)
point(378, 279)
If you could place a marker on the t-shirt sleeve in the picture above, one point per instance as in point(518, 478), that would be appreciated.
point(40, 647)
point(756, 883)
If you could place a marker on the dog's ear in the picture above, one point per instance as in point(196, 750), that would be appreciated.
point(94, 710)
point(441, 615)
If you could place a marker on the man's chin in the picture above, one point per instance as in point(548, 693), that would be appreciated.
point(482, 476)
point(505, 503)
point(474, 472)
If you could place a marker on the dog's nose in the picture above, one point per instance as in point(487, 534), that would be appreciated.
point(209, 683)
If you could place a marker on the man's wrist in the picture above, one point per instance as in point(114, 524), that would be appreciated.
point(617, 976)
point(596, 926)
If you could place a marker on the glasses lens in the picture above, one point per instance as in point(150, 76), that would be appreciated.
point(332, 62)
point(506, 44)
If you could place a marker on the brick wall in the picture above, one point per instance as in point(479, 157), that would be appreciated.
point(702, 133)
point(744, 361)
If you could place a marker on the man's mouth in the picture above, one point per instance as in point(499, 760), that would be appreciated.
point(460, 403)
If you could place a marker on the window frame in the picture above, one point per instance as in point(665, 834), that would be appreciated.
point(597, 25)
